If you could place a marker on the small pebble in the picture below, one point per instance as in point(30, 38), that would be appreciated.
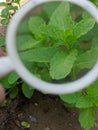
point(20, 115)
point(47, 128)
point(74, 114)
point(36, 104)
point(70, 124)
point(33, 119)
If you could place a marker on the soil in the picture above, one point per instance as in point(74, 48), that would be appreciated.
point(42, 112)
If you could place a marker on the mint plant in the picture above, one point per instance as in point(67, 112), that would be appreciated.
point(57, 46)
point(9, 9)
point(13, 84)
point(56, 50)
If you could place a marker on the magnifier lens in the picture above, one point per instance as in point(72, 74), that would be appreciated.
point(57, 42)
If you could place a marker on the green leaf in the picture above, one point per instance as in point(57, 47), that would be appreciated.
point(44, 74)
point(71, 98)
point(13, 93)
point(95, 101)
point(83, 27)
point(25, 42)
point(13, 77)
point(2, 41)
point(89, 36)
point(5, 83)
point(84, 102)
point(92, 90)
point(16, 1)
point(87, 59)
point(35, 24)
point(27, 91)
point(62, 20)
point(5, 13)
point(43, 54)
point(53, 32)
point(25, 124)
point(50, 7)
point(14, 8)
point(61, 64)
point(4, 21)
point(23, 28)
point(2, 3)
point(69, 39)
point(87, 118)
point(94, 41)
point(86, 15)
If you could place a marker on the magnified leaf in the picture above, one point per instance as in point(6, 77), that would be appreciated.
point(62, 63)
point(83, 27)
point(34, 26)
point(87, 59)
point(43, 54)
point(64, 21)
point(25, 42)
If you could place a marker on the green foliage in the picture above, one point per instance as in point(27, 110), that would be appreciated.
point(87, 118)
point(56, 47)
point(43, 54)
point(25, 124)
point(62, 63)
point(49, 8)
point(92, 90)
point(2, 41)
point(35, 24)
point(84, 102)
point(13, 92)
point(27, 91)
point(71, 98)
point(13, 77)
point(9, 9)
point(5, 103)
point(24, 42)
point(83, 27)
point(64, 21)
point(87, 59)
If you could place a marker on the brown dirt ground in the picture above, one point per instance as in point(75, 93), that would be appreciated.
point(42, 112)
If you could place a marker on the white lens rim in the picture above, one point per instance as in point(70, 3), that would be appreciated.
point(22, 70)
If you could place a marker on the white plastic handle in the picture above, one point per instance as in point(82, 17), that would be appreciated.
point(5, 66)
point(25, 74)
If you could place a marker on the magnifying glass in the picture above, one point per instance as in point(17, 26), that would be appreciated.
point(34, 51)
